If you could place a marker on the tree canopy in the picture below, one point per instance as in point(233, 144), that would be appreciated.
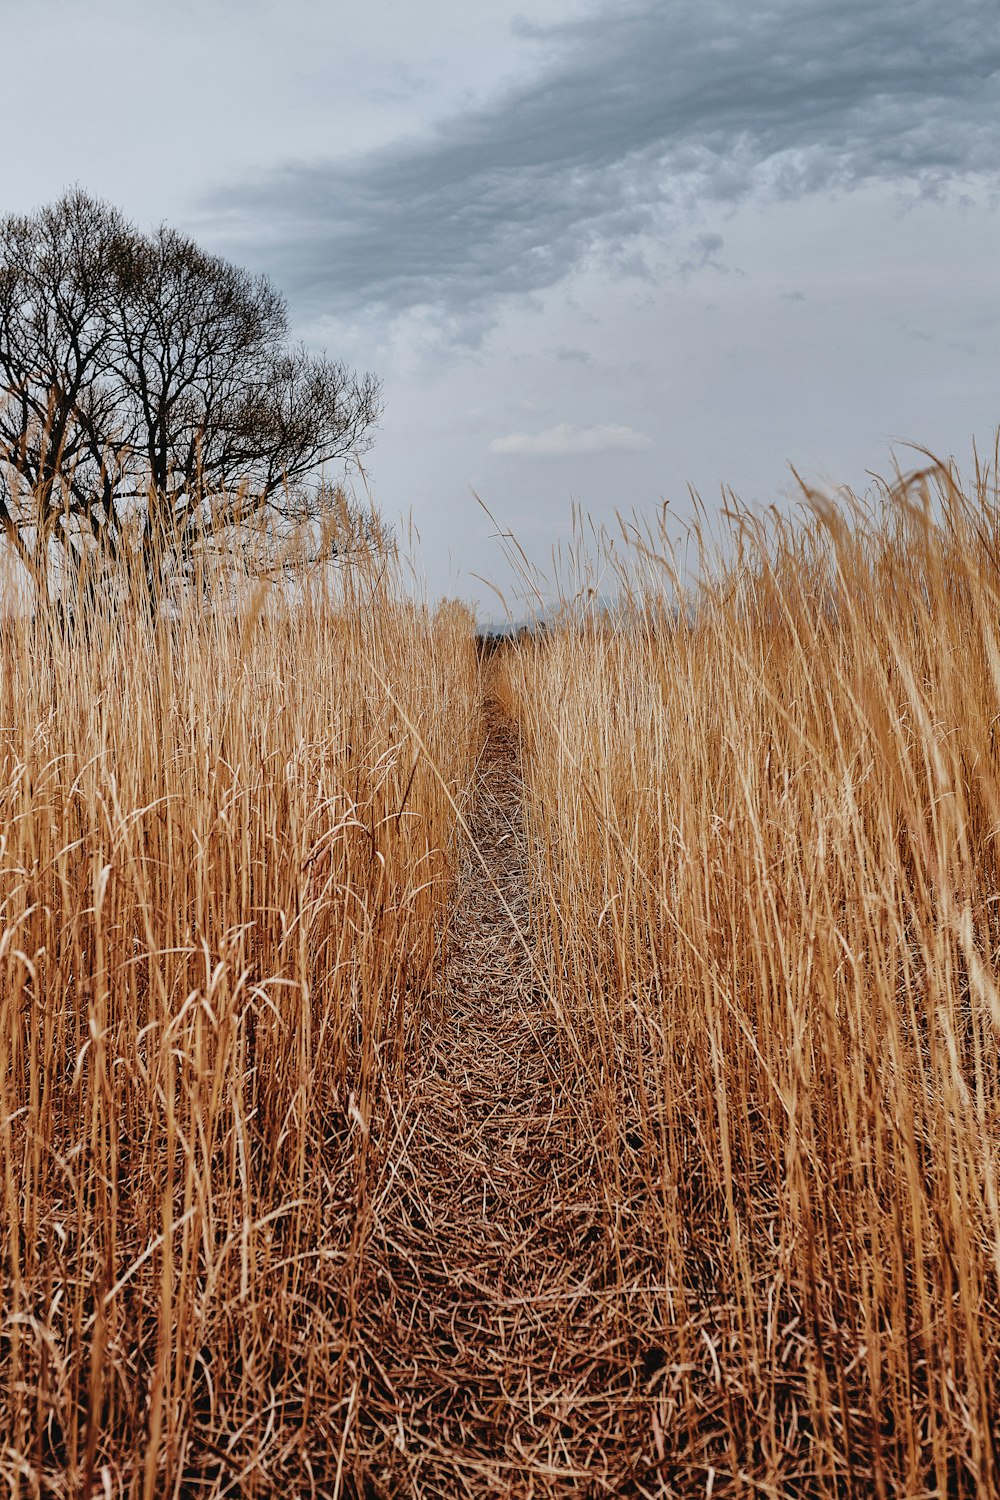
point(149, 389)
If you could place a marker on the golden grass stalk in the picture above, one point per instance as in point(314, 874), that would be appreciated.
point(225, 872)
point(764, 814)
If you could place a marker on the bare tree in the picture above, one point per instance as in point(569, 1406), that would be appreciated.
point(149, 392)
point(56, 274)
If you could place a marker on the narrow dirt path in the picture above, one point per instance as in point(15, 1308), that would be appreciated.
point(491, 1364)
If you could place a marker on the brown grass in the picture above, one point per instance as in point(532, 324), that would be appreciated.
point(595, 1093)
point(765, 842)
point(225, 873)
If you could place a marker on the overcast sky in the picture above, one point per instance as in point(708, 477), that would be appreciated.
point(596, 252)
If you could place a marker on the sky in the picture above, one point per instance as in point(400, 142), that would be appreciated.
point(598, 254)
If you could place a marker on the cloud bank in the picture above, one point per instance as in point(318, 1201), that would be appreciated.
point(564, 440)
point(647, 108)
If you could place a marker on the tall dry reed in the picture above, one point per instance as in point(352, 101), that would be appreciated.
point(226, 853)
point(764, 812)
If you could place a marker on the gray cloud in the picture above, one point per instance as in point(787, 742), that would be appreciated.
point(565, 440)
point(645, 109)
point(705, 250)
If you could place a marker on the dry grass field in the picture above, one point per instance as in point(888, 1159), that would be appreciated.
point(226, 862)
point(572, 1071)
